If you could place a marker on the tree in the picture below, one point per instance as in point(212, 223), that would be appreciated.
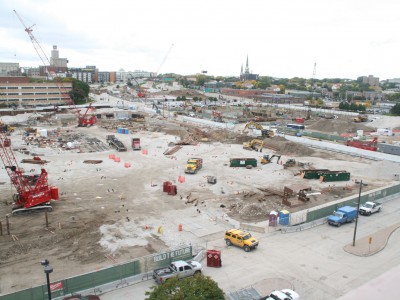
point(395, 110)
point(394, 97)
point(198, 287)
point(200, 80)
point(79, 92)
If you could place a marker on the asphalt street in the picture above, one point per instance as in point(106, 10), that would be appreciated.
point(313, 262)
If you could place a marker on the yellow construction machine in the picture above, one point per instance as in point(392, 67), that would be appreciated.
point(255, 125)
point(361, 118)
point(266, 159)
point(255, 144)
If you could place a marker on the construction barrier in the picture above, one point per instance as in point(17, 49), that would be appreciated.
point(116, 274)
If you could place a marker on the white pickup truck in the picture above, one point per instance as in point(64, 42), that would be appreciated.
point(179, 269)
point(369, 208)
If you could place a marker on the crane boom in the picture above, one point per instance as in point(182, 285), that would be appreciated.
point(164, 59)
point(44, 58)
point(83, 120)
point(33, 191)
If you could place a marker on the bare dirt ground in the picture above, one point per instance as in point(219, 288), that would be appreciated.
point(109, 213)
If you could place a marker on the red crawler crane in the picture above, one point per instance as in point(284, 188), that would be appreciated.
point(33, 191)
point(366, 145)
point(83, 120)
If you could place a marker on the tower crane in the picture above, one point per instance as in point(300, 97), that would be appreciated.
point(83, 119)
point(33, 191)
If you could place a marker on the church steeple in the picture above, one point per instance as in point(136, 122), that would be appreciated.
point(247, 65)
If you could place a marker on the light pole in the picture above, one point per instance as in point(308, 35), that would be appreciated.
point(47, 270)
point(358, 208)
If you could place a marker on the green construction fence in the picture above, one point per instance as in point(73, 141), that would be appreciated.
point(103, 276)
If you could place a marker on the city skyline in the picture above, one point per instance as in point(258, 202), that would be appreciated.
point(345, 39)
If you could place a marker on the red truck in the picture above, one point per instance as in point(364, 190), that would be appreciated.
point(136, 144)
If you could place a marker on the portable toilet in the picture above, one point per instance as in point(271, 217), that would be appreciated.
point(273, 218)
point(284, 217)
point(214, 258)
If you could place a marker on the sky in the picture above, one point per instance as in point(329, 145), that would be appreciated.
point(286, 38)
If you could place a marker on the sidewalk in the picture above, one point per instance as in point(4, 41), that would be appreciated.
point(373, 243)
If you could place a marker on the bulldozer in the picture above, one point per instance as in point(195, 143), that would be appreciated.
point(255, 144)
point(361, 118)
point(289, 163)
point(266, 159)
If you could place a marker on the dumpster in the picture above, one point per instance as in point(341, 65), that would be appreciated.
point(172, 190)
point(284, 217)
point(214, 258)
point(273, 218)
point(167, 186)
point(243, 162)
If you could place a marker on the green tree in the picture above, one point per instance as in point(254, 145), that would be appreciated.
point(394, 97)
point(395, 110)
point(194, 288)
point(200, 80)
point(79, 92)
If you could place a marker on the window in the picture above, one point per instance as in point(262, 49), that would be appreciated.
point(187, 268)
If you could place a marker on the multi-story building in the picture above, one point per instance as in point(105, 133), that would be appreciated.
point(87, 75)
point(9, 69)
point(31, 72)
point(370, 80)
point(19, 91)
point(104, 77)
point(56, 61)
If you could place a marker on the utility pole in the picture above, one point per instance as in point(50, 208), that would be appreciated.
point(358, 208)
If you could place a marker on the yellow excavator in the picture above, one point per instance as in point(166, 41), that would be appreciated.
point(255, 144)
point(266, 159)
point(255, 125)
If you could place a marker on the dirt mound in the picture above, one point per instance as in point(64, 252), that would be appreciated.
point(337, 126)
point(285, 147)
point(180, 93)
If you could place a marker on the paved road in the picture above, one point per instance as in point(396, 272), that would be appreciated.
point(313, 262)
point(344, 149)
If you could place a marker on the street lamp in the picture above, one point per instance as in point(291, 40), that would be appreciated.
point(358, 209)
point(47, 270)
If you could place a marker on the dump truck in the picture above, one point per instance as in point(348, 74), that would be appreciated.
point(136, 144)
point(345, 214)
point(193, 165)
point(116, 143)
point(177, 269)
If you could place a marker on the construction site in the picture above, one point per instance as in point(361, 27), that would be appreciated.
point(93, 196)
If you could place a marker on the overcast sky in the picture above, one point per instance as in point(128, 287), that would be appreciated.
point(345, 38)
